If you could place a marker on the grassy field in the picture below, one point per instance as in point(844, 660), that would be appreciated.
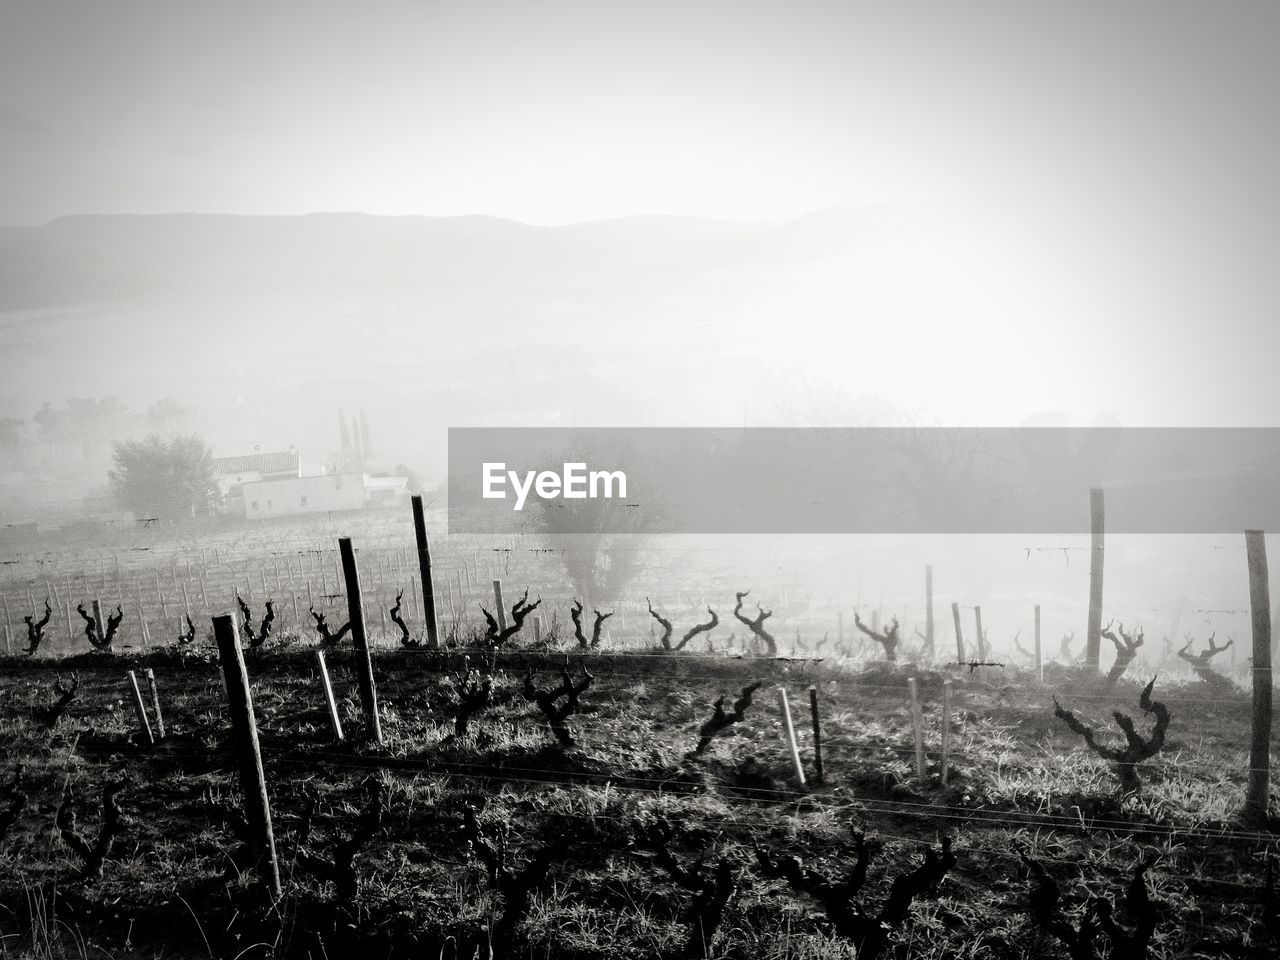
point(621, 834)
point(620, 843)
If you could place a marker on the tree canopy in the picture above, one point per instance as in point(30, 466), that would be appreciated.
point(168, 479)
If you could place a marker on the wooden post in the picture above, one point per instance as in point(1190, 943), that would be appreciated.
point(186, 599)
point(917, 726)
point(142, 620)
point(334, 721)
point(364, 663)
point(537, 631)
point(979, 634)
point(946, 730)
point(155, 703)
point(928, 609)
point(497, 599)
point(424, 570)
point(1255, 802)
point(141, 710)
point(244, 735)
point(817, 734)
point(790, 731)
point(955, 617)
point(71, 633)
point(1039, 659)
point(1097, 528)
point(97, 619)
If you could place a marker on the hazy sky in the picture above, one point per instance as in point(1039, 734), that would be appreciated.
point(560, 111)
point(1100, 177)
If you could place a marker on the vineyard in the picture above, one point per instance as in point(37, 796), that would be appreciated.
point(228, 747)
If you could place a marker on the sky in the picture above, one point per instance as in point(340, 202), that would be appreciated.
point(552, 112)
point(1099, 178)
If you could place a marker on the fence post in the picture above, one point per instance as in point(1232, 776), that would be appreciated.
point(142, 621)
point(1097, 529)
point(946, 729)
point(928, 609)
point(334, 721)
point(244, 736)
point(155, 702)
point(917, 725)
point(141, 710)
point(817, 734)
point(790, 732)
point(97, 619)
point(1255, 803)
point(979, 636)
point(424, 569)
point(497, 599)
point(955, 617)
point(364, 663)
point(1039, 659)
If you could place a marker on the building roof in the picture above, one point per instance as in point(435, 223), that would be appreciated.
point(283, 461)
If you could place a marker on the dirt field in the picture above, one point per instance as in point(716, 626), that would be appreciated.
point(587, 824)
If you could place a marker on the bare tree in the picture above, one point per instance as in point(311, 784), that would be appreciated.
point(1200, 662)
point(339, 866)
point(327, 638)
point(1084, 940)
point(495, 636)
point(35, 628)
point(720, 720)
point(1136, 749)
point(547, 701)
point(93, 853)
point(756, 624)
point(1126, 645)
point(869, 932)
point(406, 640)
point(50, 715)
point(668, 628)
point(712, 890)
point(515, 885)
point(256, 637)
point(575, 614)
point(887, 638)
point(473, 692)
point(91, 628)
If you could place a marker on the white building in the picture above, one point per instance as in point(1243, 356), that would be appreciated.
point(260, 486)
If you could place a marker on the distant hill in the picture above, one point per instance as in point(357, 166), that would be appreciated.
point(271, 323)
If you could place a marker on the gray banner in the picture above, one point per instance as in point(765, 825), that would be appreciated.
point(859, 480)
